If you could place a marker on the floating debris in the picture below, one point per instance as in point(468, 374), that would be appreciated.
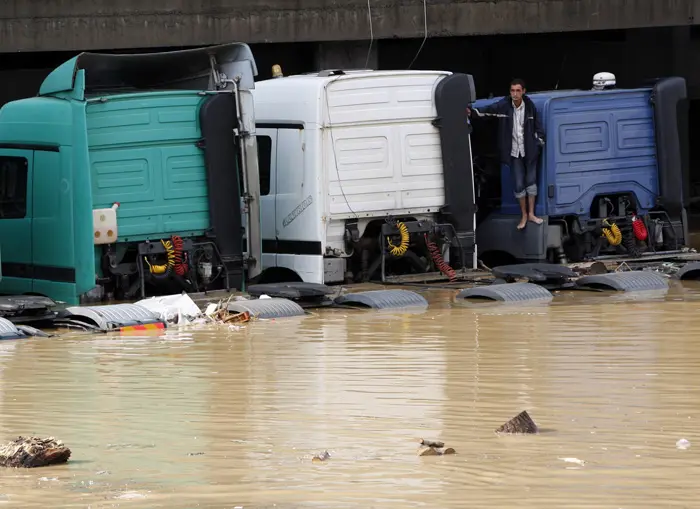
point(588, 268)
point(320, 457)
point(33, 452)
point(432, 443)
point(573, 460)
point(433, 448)
point(219, 313)
point(130, 495)
point(521, 423)
point(180, 310)
point(428, 451)
point(683, 444)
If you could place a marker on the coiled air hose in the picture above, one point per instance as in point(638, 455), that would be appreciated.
point(639, 228)
point(181, 266)
point(612, 234)
point(401, 249)
point(440, 262)
point(167, 267)
point(629, 242)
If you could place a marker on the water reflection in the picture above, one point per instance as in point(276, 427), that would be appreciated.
point(220, 417)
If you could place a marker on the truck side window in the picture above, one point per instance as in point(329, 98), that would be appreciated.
point(13, 187)
point(264, 163)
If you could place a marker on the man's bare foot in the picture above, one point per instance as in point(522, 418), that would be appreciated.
point(523, 223)
point(534, 219)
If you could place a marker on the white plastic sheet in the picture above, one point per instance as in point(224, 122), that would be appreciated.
point(173, 309)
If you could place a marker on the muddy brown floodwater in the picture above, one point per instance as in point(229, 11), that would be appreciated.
point(220, 419)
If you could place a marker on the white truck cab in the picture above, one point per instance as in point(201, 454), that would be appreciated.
point(339, 152)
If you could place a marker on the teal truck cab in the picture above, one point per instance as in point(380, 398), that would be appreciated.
point(163, 141)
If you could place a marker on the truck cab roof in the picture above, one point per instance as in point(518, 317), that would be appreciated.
point(540, 98)
point(272, 96)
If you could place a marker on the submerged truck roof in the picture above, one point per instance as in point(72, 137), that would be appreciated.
point(303, 99)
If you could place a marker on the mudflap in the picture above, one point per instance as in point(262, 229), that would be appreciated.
point(671, 108)
point(217, 117)
point(453, 95)
point(548, 275)
point(498, 233)
point(27, 308)
point(304, 294)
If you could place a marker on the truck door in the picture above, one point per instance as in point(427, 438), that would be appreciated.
point(298, 220)
point(16, 172)
point(54, 226)
point(267, 165)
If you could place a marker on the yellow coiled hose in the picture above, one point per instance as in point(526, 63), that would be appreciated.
point(401, 249)
point(612, 234)
point(170, 252)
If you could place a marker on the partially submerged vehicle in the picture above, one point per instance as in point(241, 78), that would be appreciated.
point(612, 178)
point(135, 175)
point(349, 156)
point(132, 172)
point(365, 175)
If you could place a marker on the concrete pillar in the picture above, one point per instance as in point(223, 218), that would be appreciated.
point(346, 55)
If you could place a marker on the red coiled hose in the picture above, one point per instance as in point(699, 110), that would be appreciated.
point(440, 262)
point(639, 229)
point(180, 265)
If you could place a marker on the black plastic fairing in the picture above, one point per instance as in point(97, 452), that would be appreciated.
point(453, 94)
point(671, 122)
point(217, 118)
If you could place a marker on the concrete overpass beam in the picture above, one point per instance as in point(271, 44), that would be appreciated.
point(41, 25)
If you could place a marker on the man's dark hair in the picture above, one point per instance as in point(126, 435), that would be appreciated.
point(518, 81)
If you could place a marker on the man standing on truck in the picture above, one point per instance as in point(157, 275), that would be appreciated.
point(520, 138)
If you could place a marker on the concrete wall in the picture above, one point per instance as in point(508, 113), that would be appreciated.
point(55, 25)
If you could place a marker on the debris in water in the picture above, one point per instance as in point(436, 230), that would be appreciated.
point(573, 460)
point(433, 448)
point(219, 313)
point(130, 495)
point(589, 268)
point(683, 444)
point(173, 309)
point(33, 452)
point(428, 451)
point(320, 457)
point(521, 423)
point(432, 443)
point(180, 309)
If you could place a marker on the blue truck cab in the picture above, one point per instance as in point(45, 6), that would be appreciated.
point(611, 158)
